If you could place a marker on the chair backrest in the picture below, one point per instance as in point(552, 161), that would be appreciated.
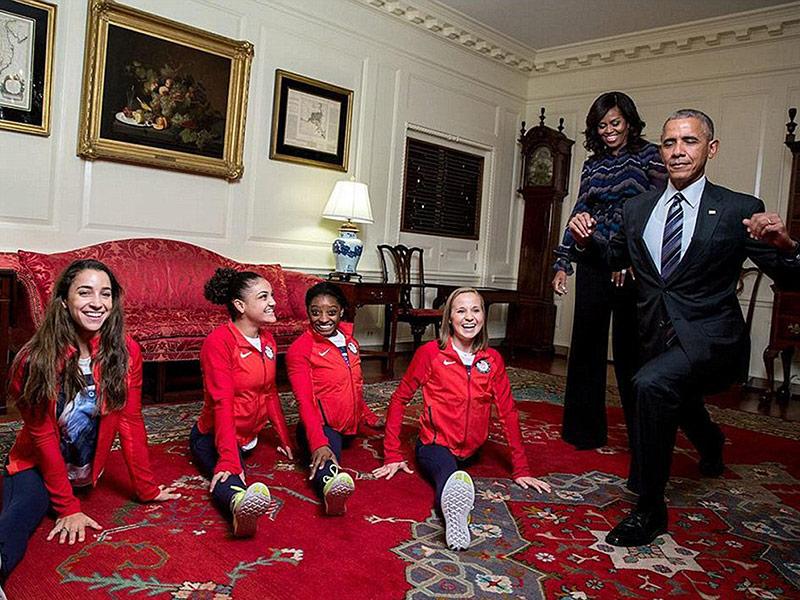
point(407, 268)
point(751, 305)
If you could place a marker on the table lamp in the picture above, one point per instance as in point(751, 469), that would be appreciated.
point(349, 202)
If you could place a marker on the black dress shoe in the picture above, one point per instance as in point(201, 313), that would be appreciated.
point(639, 528)
point(711, 465)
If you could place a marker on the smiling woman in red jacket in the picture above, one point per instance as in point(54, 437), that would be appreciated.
point(461, 377)
point(238, 364)
point(324, 366)
point(77, 384)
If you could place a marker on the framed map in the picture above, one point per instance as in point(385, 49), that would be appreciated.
point(310, 122)
point(27, 31)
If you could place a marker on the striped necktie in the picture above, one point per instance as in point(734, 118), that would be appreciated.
point(673, 231)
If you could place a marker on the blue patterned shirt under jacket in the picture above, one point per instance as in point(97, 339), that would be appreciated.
point(78, 422)
point(606, 182)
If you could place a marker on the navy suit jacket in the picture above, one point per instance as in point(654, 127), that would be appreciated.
point(699, 298)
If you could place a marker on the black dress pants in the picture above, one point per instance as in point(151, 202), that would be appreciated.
point(596, 298)
point(668, 393)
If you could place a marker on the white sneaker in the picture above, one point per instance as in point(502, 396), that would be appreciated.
point(247, 506)
point(458, 498)
point(339, 486)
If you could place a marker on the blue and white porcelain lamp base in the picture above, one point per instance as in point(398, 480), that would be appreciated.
point(347, 249)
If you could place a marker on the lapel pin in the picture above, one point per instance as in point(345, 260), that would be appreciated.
point(712, 211)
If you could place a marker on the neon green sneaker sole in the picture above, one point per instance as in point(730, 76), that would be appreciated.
point(336, 493)
point(248, 507)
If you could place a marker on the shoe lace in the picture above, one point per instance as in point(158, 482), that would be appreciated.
point(333, 470)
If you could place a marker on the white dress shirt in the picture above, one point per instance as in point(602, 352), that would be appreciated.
point(654, 230)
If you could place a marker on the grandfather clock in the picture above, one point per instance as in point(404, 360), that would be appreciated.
point(784, 336)
point(546, 154)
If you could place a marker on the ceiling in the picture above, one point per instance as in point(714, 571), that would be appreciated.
point(542, 24)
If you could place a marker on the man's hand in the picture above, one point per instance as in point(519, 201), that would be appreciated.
point(769, 228)
point(581, 226)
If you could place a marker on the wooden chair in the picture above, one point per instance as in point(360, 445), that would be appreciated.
point(409, 271)
point(751, 304)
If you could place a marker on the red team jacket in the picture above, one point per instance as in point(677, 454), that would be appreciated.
point(38, 442)
point(327, 390)
point(239, 393)
point(457, 404)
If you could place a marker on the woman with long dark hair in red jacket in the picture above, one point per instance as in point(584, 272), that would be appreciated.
point(240, 396)
point(461, 378)
point(77, 384)
point(324, 366)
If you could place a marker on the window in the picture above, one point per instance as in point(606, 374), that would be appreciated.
point(442, 192)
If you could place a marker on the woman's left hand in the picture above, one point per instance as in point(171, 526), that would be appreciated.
point(618, 277)
point(532, 482)
point(286, 451)
point(166, 493)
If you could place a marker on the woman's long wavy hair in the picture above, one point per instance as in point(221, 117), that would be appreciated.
point(602, 104)
point(47, 368)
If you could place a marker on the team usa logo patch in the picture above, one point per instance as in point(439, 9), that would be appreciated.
point(352, 347)
point(483, 366)
point(269, 352)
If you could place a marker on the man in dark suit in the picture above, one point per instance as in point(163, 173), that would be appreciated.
point(686, 244)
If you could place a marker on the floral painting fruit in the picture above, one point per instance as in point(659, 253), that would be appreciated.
point(171, 100)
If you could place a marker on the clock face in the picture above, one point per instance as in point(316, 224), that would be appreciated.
point(540, 167)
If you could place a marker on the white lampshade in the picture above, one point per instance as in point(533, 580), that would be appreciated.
point(349, 201)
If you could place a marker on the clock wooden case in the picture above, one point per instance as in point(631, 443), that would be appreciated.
point(544, 177)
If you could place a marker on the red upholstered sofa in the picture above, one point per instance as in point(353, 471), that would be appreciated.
point(163, 292)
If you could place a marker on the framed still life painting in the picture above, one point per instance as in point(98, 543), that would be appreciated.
point(310, 122)
point(161, 93)
point(27, 33)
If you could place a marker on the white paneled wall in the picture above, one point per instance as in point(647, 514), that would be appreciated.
point(404, 79)
point(746, 91)
point(52, 200)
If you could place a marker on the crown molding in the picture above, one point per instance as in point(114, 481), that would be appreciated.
point(738, 29)
point(456, 28)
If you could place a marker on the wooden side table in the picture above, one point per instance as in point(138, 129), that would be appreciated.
point(784, 338)
point(363, 293)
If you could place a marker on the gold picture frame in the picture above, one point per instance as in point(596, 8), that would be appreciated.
point(163, 94)
point(310, 122)
point(26, 65)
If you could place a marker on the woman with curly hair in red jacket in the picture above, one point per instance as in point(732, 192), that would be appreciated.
point(461, 378)
point(324, 366)
point(77, 384)
point(238, 363)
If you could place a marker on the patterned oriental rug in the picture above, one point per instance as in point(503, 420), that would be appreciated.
point(734, 537)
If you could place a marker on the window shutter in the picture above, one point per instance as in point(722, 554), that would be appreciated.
point(442, 192)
